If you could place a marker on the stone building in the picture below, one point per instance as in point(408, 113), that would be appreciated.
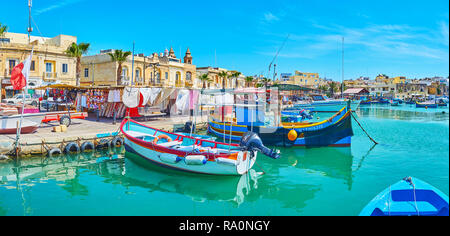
point(49, 61)
point(164, 69)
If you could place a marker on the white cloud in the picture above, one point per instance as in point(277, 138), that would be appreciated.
point(269, 17)
point(389, 41)
point(57, 5)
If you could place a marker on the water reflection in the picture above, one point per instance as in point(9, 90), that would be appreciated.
point(198, 187)
point(328, 161)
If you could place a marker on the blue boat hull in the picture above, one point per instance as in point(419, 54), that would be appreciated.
point(335, 132)
point(408, 198)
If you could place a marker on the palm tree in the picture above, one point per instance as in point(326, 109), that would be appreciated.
point(235, 75)
point(3, 29)
point(249, 80)
point(333, 88)
point(265, 81)
point(224, 76)
point(204, 78)
point(77, 51)
point(120, 57)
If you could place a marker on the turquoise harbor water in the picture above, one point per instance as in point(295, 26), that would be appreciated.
point(320, 181)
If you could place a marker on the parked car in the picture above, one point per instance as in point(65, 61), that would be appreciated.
point(18, 99)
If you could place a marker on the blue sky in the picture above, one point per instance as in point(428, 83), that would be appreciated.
point(408, 38)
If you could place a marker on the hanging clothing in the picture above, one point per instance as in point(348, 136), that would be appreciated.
point(182, 102)
point(83, 101)
point(131, 97)
point(146, 93)
point(117, 96)
point(193, 98)
point(154, 93)
point(111, 95)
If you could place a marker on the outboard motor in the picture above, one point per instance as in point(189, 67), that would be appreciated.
point(250, 141)
point(189, 126)
point(305, 114)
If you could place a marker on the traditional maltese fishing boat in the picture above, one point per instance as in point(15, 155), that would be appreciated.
point(408, 197)
point(321, 103)
point(192, 154)
point(426, 105)
point(272, 128)
point(335, 131)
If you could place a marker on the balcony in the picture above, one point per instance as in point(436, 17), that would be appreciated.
point(49, 75)
point(126, 80)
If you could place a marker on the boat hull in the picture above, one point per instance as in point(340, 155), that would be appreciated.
point(425, 105)
point(9, 126)
point(211, 167)
point(335, 132)
point(328, 106)
point(405, 199)
point(215, 157)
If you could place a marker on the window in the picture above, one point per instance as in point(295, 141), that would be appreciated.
point(86, 72)
point(12, 64)
point(167, 76)
point(64, 68)
point(188, 76)
point(33, 66)
point(48, 67)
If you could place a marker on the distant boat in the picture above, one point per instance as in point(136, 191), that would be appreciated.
point(408, 197)
point(394, 103)
point(426, 105)
point(322, 103)
point(9, 126)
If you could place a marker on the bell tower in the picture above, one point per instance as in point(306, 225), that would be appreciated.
point(188, 57)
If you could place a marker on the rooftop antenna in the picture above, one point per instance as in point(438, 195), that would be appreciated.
point(30, 29)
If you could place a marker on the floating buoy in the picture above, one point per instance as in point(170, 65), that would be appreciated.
point(117, 142)
point(292, 135)
point(54, 152)
point(226, 161)
point(72, 147)
point(87, 146)
point(172, 159)
point(195, 160)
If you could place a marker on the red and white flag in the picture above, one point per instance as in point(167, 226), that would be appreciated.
point(20, 73)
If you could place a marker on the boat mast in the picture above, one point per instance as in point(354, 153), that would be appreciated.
point(342, 82)
point(132, 67)
point(30, 3)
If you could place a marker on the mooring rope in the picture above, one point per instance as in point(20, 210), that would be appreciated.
point(351, 113)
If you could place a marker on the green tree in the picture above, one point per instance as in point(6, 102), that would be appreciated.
point(204, 78)
point(76, 51)
point(249, 80)
point(120, 57)
point(333, 88)
point(224, 76)
point(3, 29)
point(235, 75)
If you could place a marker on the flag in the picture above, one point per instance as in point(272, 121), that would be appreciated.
point(20, 73)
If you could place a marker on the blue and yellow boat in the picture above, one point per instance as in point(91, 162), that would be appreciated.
point(335, 131)
point(408, 197)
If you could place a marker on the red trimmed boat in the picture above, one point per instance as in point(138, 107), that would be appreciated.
point(9, 126)
point(192, 154)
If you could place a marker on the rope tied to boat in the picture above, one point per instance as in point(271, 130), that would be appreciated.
point(408, 179)
point(351, 113)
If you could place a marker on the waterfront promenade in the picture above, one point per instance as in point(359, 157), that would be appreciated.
point(87, 129)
